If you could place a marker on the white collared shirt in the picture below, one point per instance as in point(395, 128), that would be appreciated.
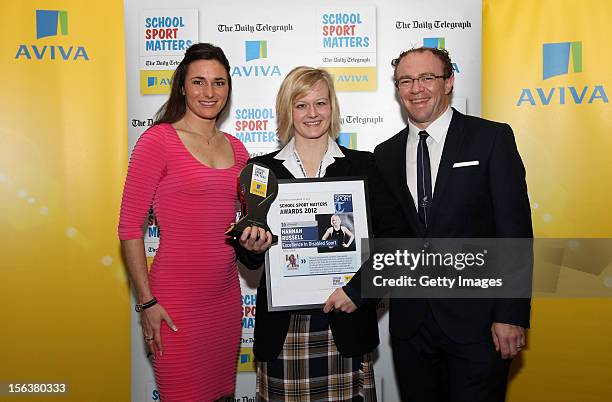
point(435, 144)
point(287, 154)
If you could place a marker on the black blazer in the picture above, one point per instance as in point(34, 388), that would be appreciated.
point(487, 200)
point(354, 334)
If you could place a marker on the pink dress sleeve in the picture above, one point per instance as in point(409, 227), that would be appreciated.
point(146, 168)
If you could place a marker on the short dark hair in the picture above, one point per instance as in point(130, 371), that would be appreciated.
point(175, 106)
point(441, 54)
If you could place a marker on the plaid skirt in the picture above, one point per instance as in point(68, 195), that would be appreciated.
point(310, 368)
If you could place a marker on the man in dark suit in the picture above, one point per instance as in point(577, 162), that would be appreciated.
point(460, 176)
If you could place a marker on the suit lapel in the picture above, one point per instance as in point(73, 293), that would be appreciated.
point(452, 147)
point(400, 184)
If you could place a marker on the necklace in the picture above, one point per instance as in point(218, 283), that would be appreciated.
point(297, 158)
point(208, 140)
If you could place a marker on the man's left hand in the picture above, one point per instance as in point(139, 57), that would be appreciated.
point(508, 339)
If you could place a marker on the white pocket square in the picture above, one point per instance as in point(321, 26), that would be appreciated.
point(464, 164)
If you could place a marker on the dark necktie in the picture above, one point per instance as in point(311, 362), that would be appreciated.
point(423, 179)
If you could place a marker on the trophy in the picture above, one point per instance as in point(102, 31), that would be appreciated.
point(257, 190)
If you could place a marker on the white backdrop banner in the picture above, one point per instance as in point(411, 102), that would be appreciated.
point(263, 42)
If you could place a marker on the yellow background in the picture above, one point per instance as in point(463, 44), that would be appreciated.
point(63, 152)
point(566, 151)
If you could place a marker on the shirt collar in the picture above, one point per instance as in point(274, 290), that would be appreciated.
point(287, 154)
point(438, 128)
point(333, 150)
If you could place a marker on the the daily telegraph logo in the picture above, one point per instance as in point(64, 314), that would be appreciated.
point(556, 61)
point(343, 203)
point(255, 126)
point(348, 140)
point(256, 50)
point(51, 24)
point(439, 43)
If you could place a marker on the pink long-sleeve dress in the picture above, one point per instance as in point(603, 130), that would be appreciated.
point(194, 274)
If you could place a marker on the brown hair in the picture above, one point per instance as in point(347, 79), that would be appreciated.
point(441, 54)
point(175, 106)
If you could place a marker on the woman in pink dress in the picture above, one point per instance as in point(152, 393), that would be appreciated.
point(186, 169)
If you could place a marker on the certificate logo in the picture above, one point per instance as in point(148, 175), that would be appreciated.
point(337, 281)
point(343, 203)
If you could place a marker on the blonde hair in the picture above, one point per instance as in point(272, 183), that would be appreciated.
point(296, 84)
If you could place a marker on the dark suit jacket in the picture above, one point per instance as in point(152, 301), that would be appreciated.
point(354, 334)
point(487, 200)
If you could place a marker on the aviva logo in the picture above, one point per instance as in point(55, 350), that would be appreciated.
point(438, 43)
point(155, 82)
point(556, 61)
point(51, 23)
point(246, 360)
point(348, 140)
point(556, 58)
point(47, 22)
point(256, 49)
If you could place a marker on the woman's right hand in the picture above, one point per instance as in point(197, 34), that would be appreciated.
point(151, 321)
point(255, 239)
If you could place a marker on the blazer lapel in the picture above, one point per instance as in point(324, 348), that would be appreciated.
point(452, 146)
point(341, 167)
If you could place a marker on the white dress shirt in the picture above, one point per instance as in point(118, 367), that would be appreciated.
point(435, 144)
point(287, 154)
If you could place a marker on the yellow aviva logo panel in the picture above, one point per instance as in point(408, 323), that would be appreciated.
point(155, 82)
point(562, 81)
point(49, 25)
point(353, 78)
point(246, 360)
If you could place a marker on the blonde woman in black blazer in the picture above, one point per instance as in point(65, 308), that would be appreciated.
point(323, 355)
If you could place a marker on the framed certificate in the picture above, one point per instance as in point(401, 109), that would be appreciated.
point(320, 224)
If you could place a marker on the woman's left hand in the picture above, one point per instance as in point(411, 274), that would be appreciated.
point(255, 239)
point(339, 301)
